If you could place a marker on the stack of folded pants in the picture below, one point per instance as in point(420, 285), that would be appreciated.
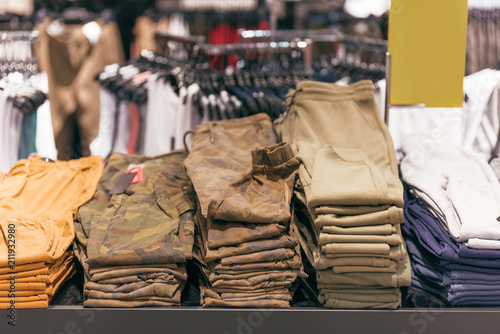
point(452, 229)
point(246, 246)
point(348, 194)
point(37, 202)
point(136, 234)
point(459, 275)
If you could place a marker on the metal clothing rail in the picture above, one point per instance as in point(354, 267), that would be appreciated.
point(320, 35)
point(182, 47)
point(18, 35)
point(261, 47)
point(180, 39)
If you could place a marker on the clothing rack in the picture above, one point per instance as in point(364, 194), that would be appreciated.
point(260, 47)
point(19, 36)
point(16, 52)
point(204, 5)
point(182, 47)
point(377, 46)
point(320, 35)
point(159, 35)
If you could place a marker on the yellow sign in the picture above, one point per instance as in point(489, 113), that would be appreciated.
point(427, 43)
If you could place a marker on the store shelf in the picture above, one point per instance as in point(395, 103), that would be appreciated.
point(75, 320)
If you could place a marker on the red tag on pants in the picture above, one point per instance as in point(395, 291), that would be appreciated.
point(137, 169)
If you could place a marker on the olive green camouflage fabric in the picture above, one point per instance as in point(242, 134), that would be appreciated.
point(265, 256)
point(122, 297)
point(136, 229)
point(227, 185)
point(165, 171)
point(262, 293)
point(137, 289)
point(212, 298)
point(229, 234)
point(133, 245)
point(237, 275)
point(282, 241)
point(227, 295)
point(252, 281)
point(273, 296)
point(244, 247)
point(253, 292)
point(125, 271)
point(169, 279)
point(292, 263)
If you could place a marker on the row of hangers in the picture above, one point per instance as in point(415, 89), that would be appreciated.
point(17, 66)
point(270, 81)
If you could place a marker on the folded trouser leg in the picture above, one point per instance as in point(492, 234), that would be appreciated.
point(20, 299)
point(228, 295)
point(392, 268)
point(212, 298)
point(363, 248)
point(392, 240)
point(256, 279)
point(126, 303)
point(23, 267)
point(340, 304)
point(119, 271)
point(158, 277)
point(350, 210)
point(357, 179)
point(282, 241)
point(164, 290)
point(35, 239)
point(21, 293)
point(292, 263)
point(137, 289)
point(265, 256)
point(222, 233)
point(359, 297)
point(361, 261)
point(38, 288)
point(26, 305)
point(228, 275)
point(393, 216)
point(255, 287)
point(402, 277)
point(273, 296)
point(385, 229)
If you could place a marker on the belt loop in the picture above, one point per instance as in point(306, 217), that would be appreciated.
point(210, 126)
point(184, 139)
point(293, 100)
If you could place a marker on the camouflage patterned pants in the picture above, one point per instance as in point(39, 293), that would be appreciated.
point(133, 243)
point(246, 251)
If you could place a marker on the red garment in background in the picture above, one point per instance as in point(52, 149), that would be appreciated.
point(223, 33)
point(135, 127)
